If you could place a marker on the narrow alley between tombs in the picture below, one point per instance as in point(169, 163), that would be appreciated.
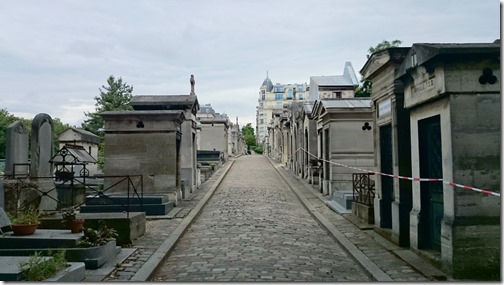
point(254, 228)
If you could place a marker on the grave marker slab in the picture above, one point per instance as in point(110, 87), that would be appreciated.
point(16, 149)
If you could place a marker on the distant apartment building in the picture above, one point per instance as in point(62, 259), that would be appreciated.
point(275, 97)
point(334, 86)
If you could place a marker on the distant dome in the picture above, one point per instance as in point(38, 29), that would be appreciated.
point(269, 85)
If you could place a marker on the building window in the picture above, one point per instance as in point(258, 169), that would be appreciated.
point(290, 93)
point(336, 94)
point(278, 89)
point(279, 96)
point(300, 88)
point(279, 104)
point(261, 121)
point(414, 61)
point(300, 96)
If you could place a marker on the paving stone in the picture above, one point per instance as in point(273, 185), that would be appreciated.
point(253, 227)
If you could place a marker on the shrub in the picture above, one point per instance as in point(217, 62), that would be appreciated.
point(99, 236)
point(258, 149)
point(28, 217)
point(37, 268)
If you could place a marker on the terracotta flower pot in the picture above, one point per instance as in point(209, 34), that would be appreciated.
point(24, 230)
point(76, 225)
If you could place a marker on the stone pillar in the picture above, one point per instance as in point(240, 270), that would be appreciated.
point(41, 154)
point(16, 149)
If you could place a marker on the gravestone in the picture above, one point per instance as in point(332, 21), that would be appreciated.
point(41, 154)
point(16, 150)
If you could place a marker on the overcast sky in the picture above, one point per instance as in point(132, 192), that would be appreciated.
point(54, 55)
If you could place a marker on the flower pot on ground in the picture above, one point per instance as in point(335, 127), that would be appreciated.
point(70, 220)
point(24, 230)
point(76, 225)
point(26, 222)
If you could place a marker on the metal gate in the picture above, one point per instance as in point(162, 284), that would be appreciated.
point(387, 183)
point(431, 193)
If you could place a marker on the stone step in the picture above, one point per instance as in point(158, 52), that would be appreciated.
point(42, 238)
point(149, 209)
point(9, 267)
point(123, 199)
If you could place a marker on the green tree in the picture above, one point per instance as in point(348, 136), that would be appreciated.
point(383, 45)
point(5, 120)
point(58, 128)
point(113, 97)
point(248, 135)
point(364, 90)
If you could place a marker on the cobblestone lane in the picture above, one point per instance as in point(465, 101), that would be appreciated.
point(255, 229)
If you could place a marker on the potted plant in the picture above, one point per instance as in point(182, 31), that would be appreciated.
point(26, 222)
point(70, 220)
point(98, 236)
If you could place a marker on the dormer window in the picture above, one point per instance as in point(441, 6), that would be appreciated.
point(414, 61)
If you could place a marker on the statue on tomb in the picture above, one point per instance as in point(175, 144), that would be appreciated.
point(192, 84)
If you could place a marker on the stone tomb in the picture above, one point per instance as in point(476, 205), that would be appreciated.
point(190, 106)
point(41, 170)
point(147, 144)
point(16, 150)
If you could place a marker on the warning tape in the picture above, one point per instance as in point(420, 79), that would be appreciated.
point(408, 178)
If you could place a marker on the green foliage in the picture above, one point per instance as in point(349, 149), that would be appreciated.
point(248, 135)
point(364, 90)
point(99, 236)
point(114, 97)
point(58, 128)
point(29, 216)
point(258, 149)
point(68, 215)
point(383, 45)
point(37, 268)
point(5, 120)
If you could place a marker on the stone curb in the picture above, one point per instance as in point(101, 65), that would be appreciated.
point(408, 256)
point(369, 266)
point(148, 268)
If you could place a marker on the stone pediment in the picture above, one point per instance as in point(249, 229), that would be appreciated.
point(374, 63)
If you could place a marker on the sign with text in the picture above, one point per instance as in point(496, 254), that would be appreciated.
point(384, 108)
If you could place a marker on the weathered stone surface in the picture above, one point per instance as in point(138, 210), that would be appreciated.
point(16, 149)
point(143, 143)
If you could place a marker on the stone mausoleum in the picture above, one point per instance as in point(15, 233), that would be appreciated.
point(145, 143)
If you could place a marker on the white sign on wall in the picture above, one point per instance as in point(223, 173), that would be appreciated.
point(384, 107)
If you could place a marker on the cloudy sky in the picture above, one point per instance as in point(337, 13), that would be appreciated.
point(54, 55)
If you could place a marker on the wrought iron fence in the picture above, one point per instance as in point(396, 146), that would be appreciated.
point(363, 188)
point(134, 188)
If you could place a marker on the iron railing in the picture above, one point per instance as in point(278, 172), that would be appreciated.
point(134, 188)
point(363, 188)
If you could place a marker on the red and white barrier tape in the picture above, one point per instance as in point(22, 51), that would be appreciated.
point(408, 178)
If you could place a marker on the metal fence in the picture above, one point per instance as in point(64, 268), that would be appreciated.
point(363, 188)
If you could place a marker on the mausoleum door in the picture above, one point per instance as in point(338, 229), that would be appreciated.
point(431, 193)
point(387, 183)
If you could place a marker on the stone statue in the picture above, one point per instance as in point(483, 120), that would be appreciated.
point(192, 84)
